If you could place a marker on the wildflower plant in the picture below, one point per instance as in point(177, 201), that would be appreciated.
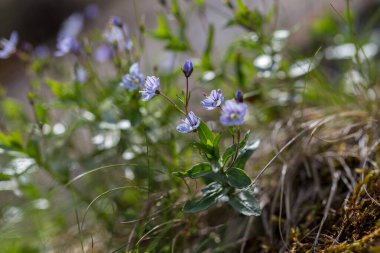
point(97, 129)
point(223, 173)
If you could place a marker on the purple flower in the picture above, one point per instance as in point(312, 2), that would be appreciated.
point(233, 113)
point(41, 51)
point(190, 124)
point(128, 45)
point(72, 26)
point(26, 47)
point(151, 87)
point(116, 33)
point(116, 21)
point(239, 96)
point(103, 53)
point(214, 100)
point(134, 79)
point(8, 47)
point(67, 45)
point(187, 68)
point(80, 74)
point(91, 11)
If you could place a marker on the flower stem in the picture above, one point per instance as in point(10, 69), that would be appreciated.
point(237, 148)
point(187, 95)
point(174, 104)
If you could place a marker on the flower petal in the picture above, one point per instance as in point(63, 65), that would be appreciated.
point(184, 128)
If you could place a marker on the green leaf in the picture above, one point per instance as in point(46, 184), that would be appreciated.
point(197, 171)
point(177, 44)
point(12, 109)
point(245, 203)
point(41, 112)
point(220, 178)
point(216, 144)
point(33, 150)
point(237, 178)
point(206, 151)
point(4, 177)
point(230, 151)
point(200, 3)
point(205, 134)
point(206, 62)
point(11, 141)
point(241, 7)
point(210, 195)
point(252, 20)
point(162, 31)
point(246, 153)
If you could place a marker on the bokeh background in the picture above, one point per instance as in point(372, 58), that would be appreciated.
point(38, 22)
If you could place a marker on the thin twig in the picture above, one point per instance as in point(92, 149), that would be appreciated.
point(336, 177)
point(281, 150)
point(246, 234)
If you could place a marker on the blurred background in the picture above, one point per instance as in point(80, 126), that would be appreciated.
point(38, 22)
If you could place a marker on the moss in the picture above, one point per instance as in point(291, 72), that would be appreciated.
point(357, 229)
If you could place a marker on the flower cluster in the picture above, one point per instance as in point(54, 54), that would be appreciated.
point(233, 111)
point(116, 34)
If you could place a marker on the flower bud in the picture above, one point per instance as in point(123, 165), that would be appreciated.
point(116, 21)
point(239, 96)
point(187, 68)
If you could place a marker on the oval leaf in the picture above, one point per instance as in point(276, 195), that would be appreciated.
point(205, 134)
point(210, 195)
point(230, 151)
point(197, 171)
point(246, 153)
point(245, 203)
point(237, 178)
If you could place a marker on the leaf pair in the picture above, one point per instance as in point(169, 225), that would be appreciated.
point(234, 177)
point(243, 201)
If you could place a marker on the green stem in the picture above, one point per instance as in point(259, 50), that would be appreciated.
point(171, 102)
point(187, 95)
point(237, 147)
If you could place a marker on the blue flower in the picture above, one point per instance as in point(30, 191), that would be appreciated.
point(67, 45)
point(91, 11)
point(239, 96)
point(151, 88)
point(8, 47)
point(41, 51)
point(116, 33)
point(72, 26)
point(80, 74)
point(188, 68)
point(190, 124)
point(233, 113)
point(128, 45)
point(116, 21)
point(103, 53)
point(134, 79)
point(214, 100)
